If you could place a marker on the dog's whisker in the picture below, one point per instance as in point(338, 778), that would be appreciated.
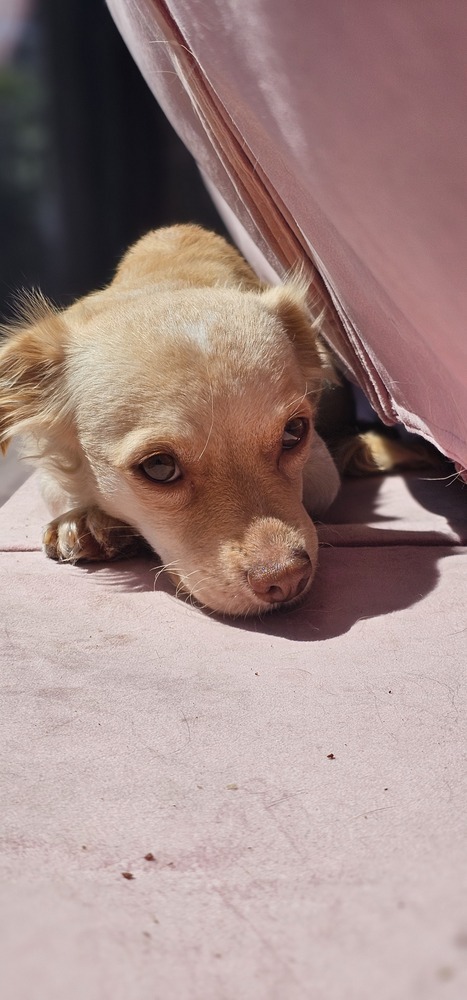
point(296, 403)
point(158, 575)
point(184, 578)
point(212, 421)
point(166, 567)
point(118, 527)
point(182, 585)
point(449, 480)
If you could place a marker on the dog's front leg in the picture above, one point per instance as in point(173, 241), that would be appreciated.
point(88, 534)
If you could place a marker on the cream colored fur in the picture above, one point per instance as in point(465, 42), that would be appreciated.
point(185, 354)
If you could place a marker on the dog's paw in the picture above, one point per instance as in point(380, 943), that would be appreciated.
point(88, 534)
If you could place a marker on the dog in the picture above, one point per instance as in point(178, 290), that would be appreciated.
point(176, 408)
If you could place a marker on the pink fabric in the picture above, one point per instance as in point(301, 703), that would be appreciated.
point(133, 724)
point(338, 136)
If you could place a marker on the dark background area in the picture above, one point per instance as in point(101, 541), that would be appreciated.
point(88, 162)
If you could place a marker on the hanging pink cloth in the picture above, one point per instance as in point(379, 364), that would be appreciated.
point(336, 137)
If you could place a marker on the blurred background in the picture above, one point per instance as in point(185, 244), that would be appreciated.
point(88, 162)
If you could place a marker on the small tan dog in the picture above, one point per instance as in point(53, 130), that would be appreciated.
point(177, 406)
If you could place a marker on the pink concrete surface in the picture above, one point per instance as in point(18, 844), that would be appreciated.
point(13, 472)
point(299, 780)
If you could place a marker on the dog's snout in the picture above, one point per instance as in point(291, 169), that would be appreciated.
point(278, 584)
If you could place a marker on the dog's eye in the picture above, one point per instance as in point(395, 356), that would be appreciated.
point(161, 468)
point(294, 432)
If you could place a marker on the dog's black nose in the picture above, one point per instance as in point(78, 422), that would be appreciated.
point(278, 583)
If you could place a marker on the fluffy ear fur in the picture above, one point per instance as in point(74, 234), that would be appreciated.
point(31, 364)
point(289, 303)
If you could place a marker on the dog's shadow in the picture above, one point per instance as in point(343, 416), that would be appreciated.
point(387, 572)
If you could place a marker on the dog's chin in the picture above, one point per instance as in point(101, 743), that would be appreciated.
point(234, 605)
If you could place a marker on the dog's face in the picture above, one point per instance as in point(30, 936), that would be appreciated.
point(187, 413)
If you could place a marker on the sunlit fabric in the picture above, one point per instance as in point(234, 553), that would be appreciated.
point(335, 134)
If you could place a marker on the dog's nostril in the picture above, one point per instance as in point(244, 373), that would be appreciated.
point(277, 584)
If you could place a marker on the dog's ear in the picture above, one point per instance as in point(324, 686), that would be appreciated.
point(31, 365)
point(289, 303)
point(185, 253)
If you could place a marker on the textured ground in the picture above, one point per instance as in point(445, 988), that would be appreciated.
point(12, 473)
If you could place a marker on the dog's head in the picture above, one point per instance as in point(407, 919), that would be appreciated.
point(187, 413)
